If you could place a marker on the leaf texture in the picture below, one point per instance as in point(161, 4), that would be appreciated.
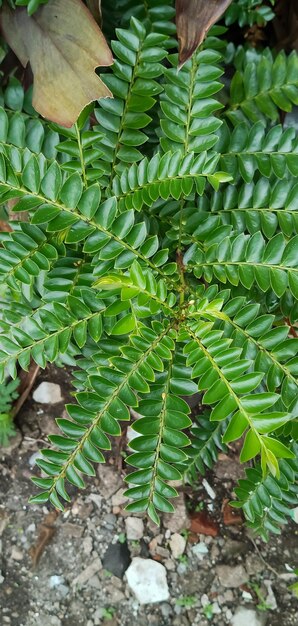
point(54, 41)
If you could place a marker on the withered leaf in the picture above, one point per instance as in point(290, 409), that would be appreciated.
point(64, 46)
point(46, 532)
point(193, 20)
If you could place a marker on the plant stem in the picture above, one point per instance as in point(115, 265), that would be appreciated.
point(81, 155)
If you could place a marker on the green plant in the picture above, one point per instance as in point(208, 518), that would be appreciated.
point(8, 393)
point(186, 601)
point(208, 611)
point(249, 12)
point(137, 217)
point(109, 612)
point(183, 559)
point(262, 605)
point(294, 586)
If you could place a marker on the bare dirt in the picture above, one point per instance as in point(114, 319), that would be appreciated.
point(69, 569)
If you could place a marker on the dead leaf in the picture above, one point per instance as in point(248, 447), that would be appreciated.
point(64, 46)
point(193, 20)
point(201, 523)
point(16, 216)
point(46, 532)
point(230, 515)
point(5, 227)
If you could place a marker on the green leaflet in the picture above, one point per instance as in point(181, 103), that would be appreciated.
point(159, 259)
point(266, 85)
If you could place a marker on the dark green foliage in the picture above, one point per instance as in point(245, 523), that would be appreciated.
point(161, 258)
point(249, 12)
point(8, 393)
point(267, 502)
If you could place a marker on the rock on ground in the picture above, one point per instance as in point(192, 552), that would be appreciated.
point(177, 545)
point(230, 576)
point(47, 393)
point(147, 580)
point(180, 520)
point(87, 573)
point(134, 528)
point(248, 617)
point(117, 559)
point(110, 481)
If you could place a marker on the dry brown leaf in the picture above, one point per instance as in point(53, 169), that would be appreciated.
point(230, 515)
point(5, 227)
point(46, 532)
point(64, 45)
point(193, 20)
point(202, 523)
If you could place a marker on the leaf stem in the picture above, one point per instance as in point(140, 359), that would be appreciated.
point(81, 155)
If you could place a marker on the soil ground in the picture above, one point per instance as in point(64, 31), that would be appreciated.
point(56, 571)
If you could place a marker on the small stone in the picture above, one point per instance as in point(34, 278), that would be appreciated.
point(47, 393)
point(134, 528)
point(170, 565)
point(254, 565)
point(87, 545)
point(228, 596)
point(231, 576)
point(81, 509)
point(110, 520)
point(270, 598)
point(246, 595)
point(87, 573)
point(166, 609)
point(95, 583)
point(55, 581)
point(2, 579)
point(200, 550)
point(177, 545)
point(117, 559)
point(163, 552)
point(31, 528)
point(17, 554)
point(216, 610)
point(97, 499)
point(71, 530)
point(148, 581)
point(110, 481)
point(118, 499)
point(114, 596)
point(247, 617)
point(53, 621)
point(179, 520)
